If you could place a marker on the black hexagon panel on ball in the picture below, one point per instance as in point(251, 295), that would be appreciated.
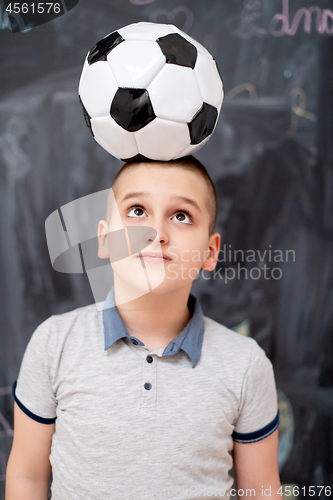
point(102, 48)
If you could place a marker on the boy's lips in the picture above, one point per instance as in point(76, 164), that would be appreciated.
point(155, 257)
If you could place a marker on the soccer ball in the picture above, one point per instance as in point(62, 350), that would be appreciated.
point(150, 91)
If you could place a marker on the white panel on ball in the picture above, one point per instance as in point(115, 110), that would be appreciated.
point(97, 89)
point(209, 80)
point(192, 148)
point(84, 69)
point(175, 94)
point(114, 139)
point(162, 139)
point(220, 103)
point(146, 31)
point(135, 63)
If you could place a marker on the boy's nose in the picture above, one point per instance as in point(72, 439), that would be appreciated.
point(157, 233)
point(161, 239)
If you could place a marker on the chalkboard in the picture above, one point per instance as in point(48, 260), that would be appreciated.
point(270, 158)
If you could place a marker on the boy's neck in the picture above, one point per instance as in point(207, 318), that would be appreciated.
point(155, 318)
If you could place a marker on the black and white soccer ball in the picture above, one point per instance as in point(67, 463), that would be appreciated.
point(150, 91)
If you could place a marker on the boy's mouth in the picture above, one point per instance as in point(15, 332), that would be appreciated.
point(154, 257)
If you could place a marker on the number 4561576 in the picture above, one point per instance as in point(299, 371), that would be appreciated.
point(293, 490)
point(39, 8)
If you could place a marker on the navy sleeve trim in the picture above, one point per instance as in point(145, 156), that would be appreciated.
point(41, 420)
point(252, 437)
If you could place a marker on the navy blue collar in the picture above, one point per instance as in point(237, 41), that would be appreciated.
point(189, 340)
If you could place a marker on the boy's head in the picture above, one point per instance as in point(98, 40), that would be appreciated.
point(178, 200)
point(188, 163)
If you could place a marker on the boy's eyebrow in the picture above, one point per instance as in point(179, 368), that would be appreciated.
point(190, 201)
point(183, 199)
point(133, 195)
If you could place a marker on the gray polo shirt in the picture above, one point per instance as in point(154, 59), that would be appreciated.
point(131, 423)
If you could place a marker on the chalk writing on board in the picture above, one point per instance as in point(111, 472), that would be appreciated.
point(5, 23)
point(181, 16)
point(297, 102)
point(309, 19)
point(247, 86)
point(141, 2)
point(298, 106)
point(4, 20)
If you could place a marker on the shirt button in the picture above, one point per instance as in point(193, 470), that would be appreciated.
point(149, 359)
point(147, 386)
point(134, 341)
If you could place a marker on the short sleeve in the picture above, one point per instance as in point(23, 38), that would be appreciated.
point(32, 390)
point(258, 412)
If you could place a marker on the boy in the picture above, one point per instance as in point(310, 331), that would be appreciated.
point(148, 399)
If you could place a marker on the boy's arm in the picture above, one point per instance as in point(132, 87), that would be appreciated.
point(256, 467)
point(29, 469)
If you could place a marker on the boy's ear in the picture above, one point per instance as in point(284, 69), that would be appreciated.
point(102, 232)
point(212, 253)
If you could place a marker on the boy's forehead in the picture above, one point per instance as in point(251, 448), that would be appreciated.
point(151, 176)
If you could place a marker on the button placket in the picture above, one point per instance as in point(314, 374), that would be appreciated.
point(149, 381)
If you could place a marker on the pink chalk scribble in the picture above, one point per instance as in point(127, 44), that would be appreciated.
point(141, 2)
point(281, 23)
point(182, 13)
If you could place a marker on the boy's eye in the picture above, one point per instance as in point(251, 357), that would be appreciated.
point(136, 212)
point(183, 217)
point(139, 212)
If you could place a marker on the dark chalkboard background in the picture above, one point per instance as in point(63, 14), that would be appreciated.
point(270, 156)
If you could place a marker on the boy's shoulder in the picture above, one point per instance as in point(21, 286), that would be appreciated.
point(68, 326)
point(80, 315)
point(216, 331)
point(79, 311)
point(222, 342)
point(91, 309)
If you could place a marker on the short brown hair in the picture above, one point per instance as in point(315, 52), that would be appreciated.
point(190, 163)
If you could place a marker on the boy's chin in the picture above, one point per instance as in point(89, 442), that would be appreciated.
point(132, 277)
point(128, 289)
